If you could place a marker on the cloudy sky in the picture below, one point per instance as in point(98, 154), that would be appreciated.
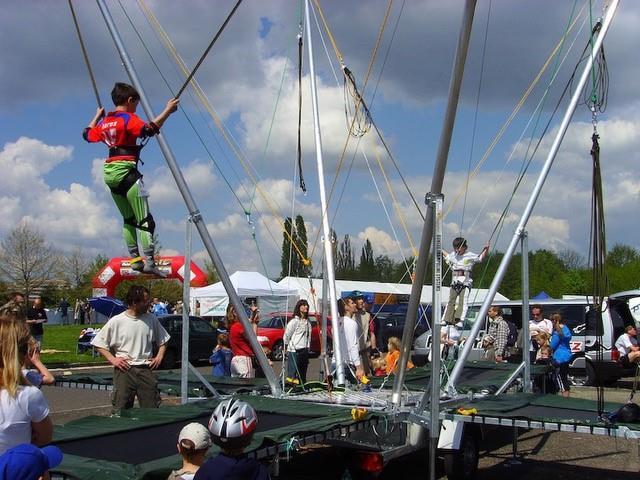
point(52, 178)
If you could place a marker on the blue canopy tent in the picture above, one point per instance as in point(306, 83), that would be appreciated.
point(541, 296)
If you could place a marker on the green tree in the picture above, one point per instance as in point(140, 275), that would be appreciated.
point(401, 275)
point(346, 264)
point(576, 281)
point(546, 273)
point(334, 245)
point(367, 265)
point(622, 255)
point(572, 260)
point(85, 290)
point(303, 270)
point(287, 257)
point(385, 268)
point(211, 272)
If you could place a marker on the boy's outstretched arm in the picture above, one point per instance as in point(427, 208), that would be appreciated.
point(98, 116)
point(172, 106)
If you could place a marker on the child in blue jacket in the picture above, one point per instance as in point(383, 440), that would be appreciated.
point(221, 357)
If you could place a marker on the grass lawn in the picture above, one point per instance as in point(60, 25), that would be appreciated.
point(61, 341)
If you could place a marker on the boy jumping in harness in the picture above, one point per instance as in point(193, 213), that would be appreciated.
point(119, 130)
point(461, 262)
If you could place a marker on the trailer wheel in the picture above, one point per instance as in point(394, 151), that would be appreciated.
point(586, 377)
point(462, 464)
point(278, 351)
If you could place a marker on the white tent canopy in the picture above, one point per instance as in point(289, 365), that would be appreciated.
point(313, 297)
point(270, 296)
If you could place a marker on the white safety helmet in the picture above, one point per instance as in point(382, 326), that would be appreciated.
point(233, 423)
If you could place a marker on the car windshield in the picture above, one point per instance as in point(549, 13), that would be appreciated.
point(265, 323)
point(272, 322)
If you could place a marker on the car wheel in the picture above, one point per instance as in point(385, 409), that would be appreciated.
point(170, 359)
point(463, 463)
point(277, 351)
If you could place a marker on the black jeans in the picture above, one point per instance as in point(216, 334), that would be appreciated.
point(298, 363)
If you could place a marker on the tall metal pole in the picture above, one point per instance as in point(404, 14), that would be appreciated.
point(193, 210)
point(323, 325)
point(186, 284)
point(436, 188)
point(577, 95)
point(526, 340)
point(328, 253)
point(435, 201)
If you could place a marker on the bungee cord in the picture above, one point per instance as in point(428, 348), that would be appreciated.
point(596, 101)
point(85, 55)
point(303, 187)
point(206, 52)
point(510, 118)
point(475, 114)
point(246, 165)
point(361, 99)
point(386, 212)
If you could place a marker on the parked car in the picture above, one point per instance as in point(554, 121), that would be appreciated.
point(202, 339)
point(271, 333)
point(387, 325)
point(580, 317)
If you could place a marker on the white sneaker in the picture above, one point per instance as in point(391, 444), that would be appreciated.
point(151, 268)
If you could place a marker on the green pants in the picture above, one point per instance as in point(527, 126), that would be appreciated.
point(136, 381)
point(137, 221)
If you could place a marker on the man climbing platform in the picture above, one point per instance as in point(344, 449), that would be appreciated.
point(120, 130)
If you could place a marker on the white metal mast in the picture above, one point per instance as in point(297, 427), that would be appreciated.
point(327, 241)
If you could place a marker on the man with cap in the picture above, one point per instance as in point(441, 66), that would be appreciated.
point(193, 443)
point(28, 462)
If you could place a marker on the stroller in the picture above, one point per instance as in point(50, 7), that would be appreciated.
point(84, 341)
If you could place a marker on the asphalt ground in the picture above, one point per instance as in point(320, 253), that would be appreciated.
point(540, 454)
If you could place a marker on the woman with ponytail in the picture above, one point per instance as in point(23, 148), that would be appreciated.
point(24, 413)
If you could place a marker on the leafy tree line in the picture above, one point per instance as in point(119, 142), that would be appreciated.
point(557, 273)
point(30, 264)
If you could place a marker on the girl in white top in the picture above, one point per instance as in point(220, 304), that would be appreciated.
point(297, 338)
point(24, 413)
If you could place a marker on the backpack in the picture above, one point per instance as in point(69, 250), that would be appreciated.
point(512, 338)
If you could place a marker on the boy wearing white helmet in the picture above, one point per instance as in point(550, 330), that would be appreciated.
point(193, 443)
point(232, 425)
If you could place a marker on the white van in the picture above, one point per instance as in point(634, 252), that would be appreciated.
point(579, 316)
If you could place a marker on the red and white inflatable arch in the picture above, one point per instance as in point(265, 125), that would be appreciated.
point(119, 269)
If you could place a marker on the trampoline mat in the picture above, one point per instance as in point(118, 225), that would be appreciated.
point(554, 414)
point(156, 441)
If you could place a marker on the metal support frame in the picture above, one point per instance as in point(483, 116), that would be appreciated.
point(511, 378)
point(497, 279)
point(204, 381)
point(186, 285)
point(192, 208)
point(526, 337)
point(436, 187)
point(324, 364)
point(435, 200)
point(328, 253)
